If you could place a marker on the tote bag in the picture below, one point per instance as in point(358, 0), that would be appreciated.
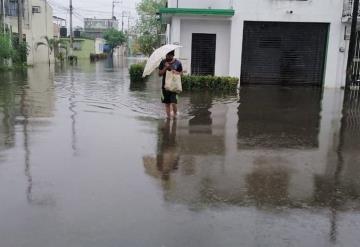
point(173, 82)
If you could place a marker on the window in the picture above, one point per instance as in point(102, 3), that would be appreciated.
point(36, 9)
point(11, 8)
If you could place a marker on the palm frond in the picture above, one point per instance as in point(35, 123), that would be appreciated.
point(40, 44)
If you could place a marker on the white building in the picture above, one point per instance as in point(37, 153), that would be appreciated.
point(99, 45)
point(95, 28)
point(37, 23)
point(264, 41)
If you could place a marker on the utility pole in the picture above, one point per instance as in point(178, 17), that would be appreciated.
point(3, 14)
point(20, 20)
point(113, 8)
point(122, 21)
point(128, 26)
point(71, 29)
point(352, 43)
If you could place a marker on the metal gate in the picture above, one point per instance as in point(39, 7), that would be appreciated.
point(203, 51)
point(284, 53)
point(355, 72)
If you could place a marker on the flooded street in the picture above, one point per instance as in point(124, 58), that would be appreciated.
point(88, 159)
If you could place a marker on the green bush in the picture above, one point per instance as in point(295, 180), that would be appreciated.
point(6, 49)
point(21, 51)
point(194, 82)
point(136, 72)
point(11, 49)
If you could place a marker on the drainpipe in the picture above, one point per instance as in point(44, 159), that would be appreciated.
point(352, 44)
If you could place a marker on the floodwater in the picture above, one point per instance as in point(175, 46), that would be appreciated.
point(88, 159)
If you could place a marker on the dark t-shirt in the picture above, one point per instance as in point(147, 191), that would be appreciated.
point(176, 65)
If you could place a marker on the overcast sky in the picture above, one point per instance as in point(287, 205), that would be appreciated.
point(94, 8)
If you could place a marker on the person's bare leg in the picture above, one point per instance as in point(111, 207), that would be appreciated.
point(174, 108)
point(168, 110)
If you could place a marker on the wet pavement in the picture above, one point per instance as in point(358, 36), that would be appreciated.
point(88, 159)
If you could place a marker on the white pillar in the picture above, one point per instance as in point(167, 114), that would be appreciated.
point(236, 36)
point(175, 33)
point(334, 56)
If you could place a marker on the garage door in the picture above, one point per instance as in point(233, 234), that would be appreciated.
point(284, 53)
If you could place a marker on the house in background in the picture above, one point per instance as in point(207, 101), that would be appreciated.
point(99, 45)
point(95, 28)
point(82, 47)
point(267, 42)
point(37, 23)
point(59, 25)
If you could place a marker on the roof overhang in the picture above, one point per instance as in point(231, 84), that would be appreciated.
point(167, 13)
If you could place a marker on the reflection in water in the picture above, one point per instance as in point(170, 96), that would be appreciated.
point(167, 158)
point(137, 86)
point(72, 109)
point(283, 158)
point(269, 182)
point(200, 110)
point(27, 152)
point(273, 117)
point(277, 168)
point(10, 83)
point(26, 100)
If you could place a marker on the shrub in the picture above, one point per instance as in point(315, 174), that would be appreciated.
point(96, 57)
point(194, 82)
point(22, 50)
point(136, 72)
point(6, 49)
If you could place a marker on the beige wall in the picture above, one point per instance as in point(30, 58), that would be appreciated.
point(36, 26)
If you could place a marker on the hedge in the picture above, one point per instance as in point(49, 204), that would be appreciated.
point(192, 82)
point(215, 83)
point(136, 72)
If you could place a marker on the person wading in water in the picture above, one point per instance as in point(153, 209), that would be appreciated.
point(170, 99)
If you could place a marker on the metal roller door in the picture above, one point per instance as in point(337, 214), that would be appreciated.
point(284, 53)
point(203, 51)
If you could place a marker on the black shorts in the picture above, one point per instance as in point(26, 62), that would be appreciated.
point(168, 97)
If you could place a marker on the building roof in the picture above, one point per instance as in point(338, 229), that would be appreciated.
point(192, 11)
point(166, 13)
point(58, 18)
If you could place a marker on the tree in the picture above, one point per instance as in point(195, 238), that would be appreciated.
point(147, 43)
point(53, 45)
point(149, 27)
point(114, 38)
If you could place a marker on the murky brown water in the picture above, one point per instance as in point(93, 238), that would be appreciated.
point(87, 159)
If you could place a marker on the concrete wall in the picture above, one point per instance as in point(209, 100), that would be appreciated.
point(303, 11)
point(269, 10)
point(99, 45)
point(35, 27)
point(87, 48)
point(41, 25)
point(222, 31)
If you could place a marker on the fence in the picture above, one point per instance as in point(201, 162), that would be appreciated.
point(348, 8)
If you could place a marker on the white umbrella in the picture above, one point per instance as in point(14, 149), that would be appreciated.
point(156, 57)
